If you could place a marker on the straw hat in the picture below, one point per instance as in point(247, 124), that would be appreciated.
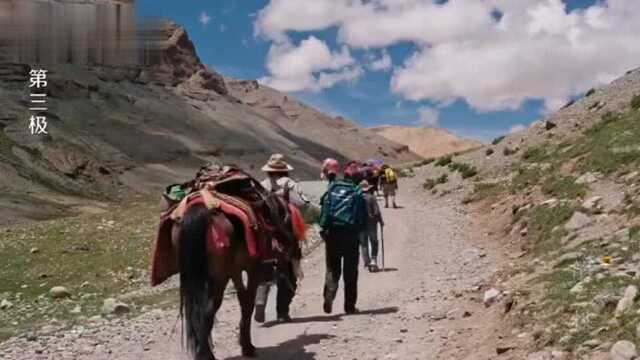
point(364, 184)
point(276, 163)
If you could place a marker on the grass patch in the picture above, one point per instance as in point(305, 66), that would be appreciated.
point(526, 176)
point(465, 170)
point(431, 183)
point(497, 140)
point(537, 154)
point(635, 102)
point(564, 187)
point(94, 256)
point(426, 162)
point(443, 160)
point(545, 226)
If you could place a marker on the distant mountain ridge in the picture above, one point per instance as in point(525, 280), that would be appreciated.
point(114, 131)
point(426, 142)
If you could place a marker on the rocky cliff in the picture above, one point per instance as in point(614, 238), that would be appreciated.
point(118, 130)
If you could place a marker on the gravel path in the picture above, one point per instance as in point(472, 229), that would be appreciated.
point(425, 306)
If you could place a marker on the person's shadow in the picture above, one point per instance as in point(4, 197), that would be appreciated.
point(290, 349)
point(336, 317)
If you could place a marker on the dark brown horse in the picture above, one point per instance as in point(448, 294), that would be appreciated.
point(205, 275)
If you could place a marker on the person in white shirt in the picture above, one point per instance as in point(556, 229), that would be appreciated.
point(277, 170)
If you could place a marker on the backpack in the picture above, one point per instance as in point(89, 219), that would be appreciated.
point(390, 176)
point(342, 205)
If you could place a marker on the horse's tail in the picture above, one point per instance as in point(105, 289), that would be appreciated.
point(195, 282)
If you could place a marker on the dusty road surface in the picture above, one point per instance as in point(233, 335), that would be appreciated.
point(426, 305)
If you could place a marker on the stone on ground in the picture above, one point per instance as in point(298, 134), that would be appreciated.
point(59, 292)
point(491, 296)
point(578, 221)
point(630, 294)
point(623, 350)
point(115, 307)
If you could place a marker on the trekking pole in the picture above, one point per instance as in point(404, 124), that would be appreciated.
point(382, 243)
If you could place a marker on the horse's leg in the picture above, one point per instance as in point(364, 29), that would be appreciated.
point(216, 294)
point(246, 298)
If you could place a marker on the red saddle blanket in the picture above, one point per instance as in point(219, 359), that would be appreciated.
point(259, 245)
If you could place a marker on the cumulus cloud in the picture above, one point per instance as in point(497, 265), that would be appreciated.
point(428, 116)
point(535, 49)
point(204, 18)
point(310, 66)
point(383, 63)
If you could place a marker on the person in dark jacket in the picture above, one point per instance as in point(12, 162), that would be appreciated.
point(342, 250)
point(369, 235)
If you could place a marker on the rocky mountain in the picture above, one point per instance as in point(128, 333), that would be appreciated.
point(426, 142)
point(561, 199)
point(118, 130)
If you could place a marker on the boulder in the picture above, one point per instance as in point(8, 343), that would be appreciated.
point(491, 296)
point(587, 178)
point(578, 221)
point(630, 294)
point(592, 203)
point(623, 350)
point(59, 292)
point(5, 304)
point(112, 306)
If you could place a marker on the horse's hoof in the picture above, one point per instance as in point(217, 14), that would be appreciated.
point(249, 351)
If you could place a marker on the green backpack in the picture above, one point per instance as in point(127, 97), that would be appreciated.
point(342, 205)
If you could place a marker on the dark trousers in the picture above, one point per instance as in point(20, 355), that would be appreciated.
point(342, 261)
point(286, 282)
point(369, 236)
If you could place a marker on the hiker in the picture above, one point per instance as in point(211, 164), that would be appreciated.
point(369, 236)
point(330, 169)
point(389, 185)
point(342, 219)
point(278, 180)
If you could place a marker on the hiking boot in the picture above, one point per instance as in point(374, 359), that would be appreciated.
point(327, 307)
point(374, 266)
point(259, 313)
point(352, 311)
point(284, 318)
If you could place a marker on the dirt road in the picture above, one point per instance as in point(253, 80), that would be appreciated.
point(424, 306)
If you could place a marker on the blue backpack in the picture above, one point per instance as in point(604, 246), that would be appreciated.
point(342, 205)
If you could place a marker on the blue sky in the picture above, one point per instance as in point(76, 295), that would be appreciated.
point(224, 33)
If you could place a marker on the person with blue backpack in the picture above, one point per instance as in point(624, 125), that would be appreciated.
point(342, 218)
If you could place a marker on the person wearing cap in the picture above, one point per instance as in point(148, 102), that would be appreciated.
point(330, 170)
point(369, 235)
point(277, 170)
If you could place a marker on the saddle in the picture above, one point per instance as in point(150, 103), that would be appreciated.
point(230, 191)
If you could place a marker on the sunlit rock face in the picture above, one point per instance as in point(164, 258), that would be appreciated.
point(96, 32)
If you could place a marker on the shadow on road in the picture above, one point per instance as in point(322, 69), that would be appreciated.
point(290, 349)
point(306, 319)
point(387, 269)
point(381, 311)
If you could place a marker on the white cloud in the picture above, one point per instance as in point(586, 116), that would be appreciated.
point(517, 128)
point(383, 63)
point(310, 66)
point(428, 116)
point(204, 18)
point(536, 51)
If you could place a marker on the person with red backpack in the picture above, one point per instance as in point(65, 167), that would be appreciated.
point(342, 219)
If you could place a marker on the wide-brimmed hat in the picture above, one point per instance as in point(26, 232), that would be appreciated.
point(276, 163)
point(364, 184)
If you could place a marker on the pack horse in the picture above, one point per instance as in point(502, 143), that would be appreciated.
point(217, 227)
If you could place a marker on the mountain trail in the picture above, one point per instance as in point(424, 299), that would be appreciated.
point(427, 304)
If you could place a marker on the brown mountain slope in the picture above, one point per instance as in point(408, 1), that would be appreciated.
point(426, 142)
point(340, 137)
point(118, 130)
